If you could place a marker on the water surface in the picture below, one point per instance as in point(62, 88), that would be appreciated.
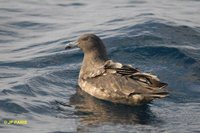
point(38, 78)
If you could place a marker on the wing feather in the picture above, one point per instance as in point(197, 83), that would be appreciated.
point(146, 79)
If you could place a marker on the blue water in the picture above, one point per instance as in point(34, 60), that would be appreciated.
point(38, 78)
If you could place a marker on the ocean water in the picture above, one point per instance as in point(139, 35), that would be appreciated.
point(38, 78)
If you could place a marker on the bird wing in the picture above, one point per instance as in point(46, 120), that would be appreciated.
point(115, 67)
point(125, 80)
point(145, 79)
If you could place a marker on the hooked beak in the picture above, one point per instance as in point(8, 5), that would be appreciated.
point(71, 45)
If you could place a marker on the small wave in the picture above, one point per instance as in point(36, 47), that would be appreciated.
point(161, 51)
point(72, 4)
point(8, 105)
point(8, 33)
point(37, 46)
point(51, 108)
point(10, 10)
point(8, 75)
point(40, 108)
point(169, 33)
point(155, 53)
point(23, 89)
point(131, 4)
point(31, 25)
point(45, 61)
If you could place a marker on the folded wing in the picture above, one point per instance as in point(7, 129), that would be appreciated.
point(125, 84)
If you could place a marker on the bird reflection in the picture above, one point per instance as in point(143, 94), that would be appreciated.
point(94, 111)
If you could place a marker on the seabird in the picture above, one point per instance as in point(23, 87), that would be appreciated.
point(112, 81)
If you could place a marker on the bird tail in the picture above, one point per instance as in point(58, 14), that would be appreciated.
point(156, 94)
point(153, 87)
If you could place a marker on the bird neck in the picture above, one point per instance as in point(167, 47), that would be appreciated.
point(92, 63)
point(95, 58)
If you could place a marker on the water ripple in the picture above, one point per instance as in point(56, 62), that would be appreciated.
point(30, 25)
point(8, 106)
point(38, 78)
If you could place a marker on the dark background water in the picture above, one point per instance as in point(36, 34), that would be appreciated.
point(38, 78)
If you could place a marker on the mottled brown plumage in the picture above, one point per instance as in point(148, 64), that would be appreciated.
point(113, 81)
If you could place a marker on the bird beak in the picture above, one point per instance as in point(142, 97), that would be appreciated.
point(71, 45)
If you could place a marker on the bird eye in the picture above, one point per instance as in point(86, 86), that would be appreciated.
point(85, 38)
